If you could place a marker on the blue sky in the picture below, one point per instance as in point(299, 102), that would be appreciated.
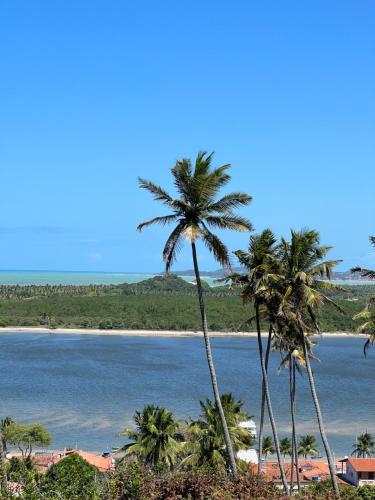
point(94, 93)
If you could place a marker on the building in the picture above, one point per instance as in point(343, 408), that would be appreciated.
point(310, 471)
point(44, 460)
point(359, 471)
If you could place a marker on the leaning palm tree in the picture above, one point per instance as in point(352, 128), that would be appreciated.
point(364, 446)
point(156, 440)
point(259, 286)
point(286, 340)
point(308, 445)
point(205, 443)
point(195, 213)
point(304, 293)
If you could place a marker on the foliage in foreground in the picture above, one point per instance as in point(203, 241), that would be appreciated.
point(74, 479)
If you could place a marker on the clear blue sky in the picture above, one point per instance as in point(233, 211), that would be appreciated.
point(94, 93)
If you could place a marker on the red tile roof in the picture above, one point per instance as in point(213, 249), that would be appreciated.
point(103, 464)
point(272, 471)
point(362, 464)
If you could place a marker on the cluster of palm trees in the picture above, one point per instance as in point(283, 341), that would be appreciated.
point(282, 281)
point(162, 442)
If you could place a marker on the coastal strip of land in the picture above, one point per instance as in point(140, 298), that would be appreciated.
point(147, 333)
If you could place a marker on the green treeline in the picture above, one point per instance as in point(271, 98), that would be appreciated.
point(160, 303)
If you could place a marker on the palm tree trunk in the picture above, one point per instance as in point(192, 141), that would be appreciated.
point(294, 461)
point(4, 483)
point(319, 417)
point(211, 366)
point(268, 401)
point(263, 404)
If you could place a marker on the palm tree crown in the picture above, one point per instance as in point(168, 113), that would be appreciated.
point(303, 269)
point(197, 211)
point(156, 439)
point(207, 446)
point(268, 446)
point(308, 445)
point(365, 445)
point(286, 446)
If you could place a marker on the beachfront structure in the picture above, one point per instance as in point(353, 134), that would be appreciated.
point(310, 471)
point(249, 455)
point(44, 460)
point(359, 471)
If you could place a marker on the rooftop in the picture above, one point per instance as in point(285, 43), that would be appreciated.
point(362, 464)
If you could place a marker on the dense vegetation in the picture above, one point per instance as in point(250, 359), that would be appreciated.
point(161, 303)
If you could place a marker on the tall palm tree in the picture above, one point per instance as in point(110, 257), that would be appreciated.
point(268, 446)
point(259, 287)
point(304, 294)
point(364, 446)
point(287, 341)
point(195, 213)
point(156, 439)
point(308, 445)
point(206, 445)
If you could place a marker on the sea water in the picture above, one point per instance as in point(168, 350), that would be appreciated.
point(85, 388)
point(78, 278)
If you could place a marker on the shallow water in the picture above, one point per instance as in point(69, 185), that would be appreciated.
point(86, 388)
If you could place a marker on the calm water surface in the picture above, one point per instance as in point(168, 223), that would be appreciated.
point(78, 278)
point(86, 388)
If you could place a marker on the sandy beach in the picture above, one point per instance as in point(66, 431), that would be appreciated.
point(147, 333)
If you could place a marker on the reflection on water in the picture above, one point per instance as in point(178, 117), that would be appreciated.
point(86, 388)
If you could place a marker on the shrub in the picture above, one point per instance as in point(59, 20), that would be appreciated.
point(73, 478)
point(139, 483)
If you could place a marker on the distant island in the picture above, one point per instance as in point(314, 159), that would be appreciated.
point(159, 303)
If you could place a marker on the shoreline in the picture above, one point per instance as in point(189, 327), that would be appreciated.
point(148, 333)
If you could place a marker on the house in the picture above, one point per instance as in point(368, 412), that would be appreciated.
point(310, 471)
point(44, 460)
point(103, 464)
point(359, 471)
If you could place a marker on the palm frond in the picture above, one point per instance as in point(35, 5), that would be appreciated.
point(182, 174)
point(365, 273)
point(216, 246)
point(172, 245)
point(230, 202)
point(163, 220)
point(159, 194)
point(233, 222)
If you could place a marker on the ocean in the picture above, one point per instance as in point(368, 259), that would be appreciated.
point(101, 278)
point(85, 388)
point(78, 278)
